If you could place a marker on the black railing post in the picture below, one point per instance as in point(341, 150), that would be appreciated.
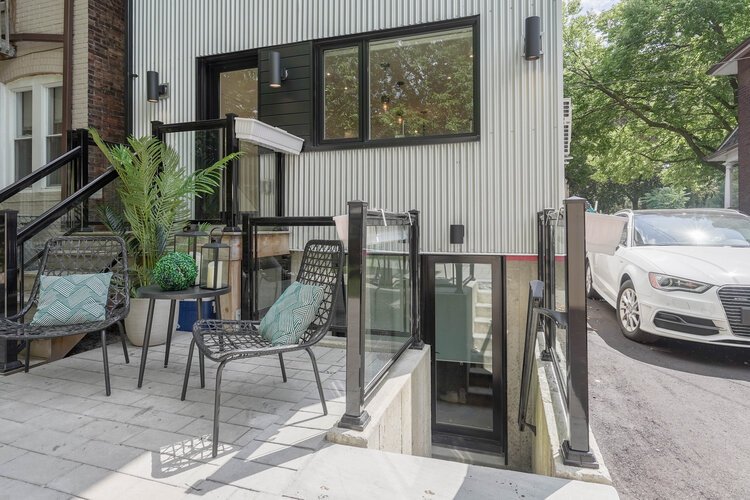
point(82, 178)
point(231, 184)
point(549, 280)
point(414, 272)
point(9, 296)
point(156, 130)
point(355, 417)
point(576, 449)
point(246, 293)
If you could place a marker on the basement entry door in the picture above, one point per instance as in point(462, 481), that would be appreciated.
point(464, 324)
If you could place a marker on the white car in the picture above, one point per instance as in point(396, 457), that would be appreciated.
point(678, 273)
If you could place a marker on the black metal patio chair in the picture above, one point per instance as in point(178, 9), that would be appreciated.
point(64, 256)
point(227, 340)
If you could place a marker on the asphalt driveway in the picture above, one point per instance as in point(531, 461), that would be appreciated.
point(672, 418)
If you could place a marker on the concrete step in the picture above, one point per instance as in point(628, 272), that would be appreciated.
point(483, 310)
point(482, 325)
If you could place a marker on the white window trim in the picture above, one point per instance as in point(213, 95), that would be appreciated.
point(40, 87)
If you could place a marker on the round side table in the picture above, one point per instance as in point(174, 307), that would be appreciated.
point(154, 293)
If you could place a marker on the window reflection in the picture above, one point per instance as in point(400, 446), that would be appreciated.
point(341, 93)
point(422, 85)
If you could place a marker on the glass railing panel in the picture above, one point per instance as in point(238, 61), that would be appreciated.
point(387, 297)
point(36, 199)
point(560, 346)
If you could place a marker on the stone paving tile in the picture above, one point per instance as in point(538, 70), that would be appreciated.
point(11, 488)
point(156, 419)
point(80, 479)
point(204, 427)
point(112, 411)
point(49, 442)
point(244, 388)
point(310, 420)
point(158, 440)
point(20, 412)
point(36, 468)
point(25, 395)
point(58, 420)
point(254, 419)
point(298, 384)
point(293, 436)
point(109, 431)
point(102, 454)
point(290, 457)
point(169, 469)
point(206, 410)
point(8, 452)
point(66, 402)
point(254, 476)
point(117, 486)
point(11, 430)
point(257, 404)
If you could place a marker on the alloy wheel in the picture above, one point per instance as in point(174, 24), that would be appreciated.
point(630, 313)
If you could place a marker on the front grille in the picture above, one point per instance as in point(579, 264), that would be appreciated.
point(734, 299)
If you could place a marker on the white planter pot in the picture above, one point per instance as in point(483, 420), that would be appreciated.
point(135, 322)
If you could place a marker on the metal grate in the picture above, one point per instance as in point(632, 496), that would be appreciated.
point(734, 299)
point(6, 49)
point(567, 126)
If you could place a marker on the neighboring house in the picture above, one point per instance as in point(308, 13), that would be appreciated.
point(735, 151)
point(62, 66)
point(410, 104)
point(727, 155)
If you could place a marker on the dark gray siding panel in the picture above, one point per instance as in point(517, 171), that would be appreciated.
point(290, 106)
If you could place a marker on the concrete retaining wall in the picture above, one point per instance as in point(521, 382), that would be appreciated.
point(400, 410)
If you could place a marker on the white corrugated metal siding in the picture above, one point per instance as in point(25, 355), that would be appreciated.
point(493, 186)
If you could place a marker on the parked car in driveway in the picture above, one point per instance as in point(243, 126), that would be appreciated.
point(678, 273)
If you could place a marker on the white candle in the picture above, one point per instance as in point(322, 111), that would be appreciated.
point(217, 267)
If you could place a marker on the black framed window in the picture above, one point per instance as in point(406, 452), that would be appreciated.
point(411, 85)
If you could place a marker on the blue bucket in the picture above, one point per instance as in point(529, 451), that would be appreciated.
point(189, 314)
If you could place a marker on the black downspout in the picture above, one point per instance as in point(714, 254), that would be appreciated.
point(129, 75)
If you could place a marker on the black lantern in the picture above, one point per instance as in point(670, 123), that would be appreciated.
point(190, 241)
point(214, 264)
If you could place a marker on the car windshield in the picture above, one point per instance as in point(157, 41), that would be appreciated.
point(692, 229)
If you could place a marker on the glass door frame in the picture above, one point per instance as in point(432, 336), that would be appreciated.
point(495, 440)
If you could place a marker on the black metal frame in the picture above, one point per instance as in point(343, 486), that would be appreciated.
point(208, 70)
point(228, 196)
point(574, 384)
point(361, 40)
point(358, 389)
point(496, 440)
point(9, 286)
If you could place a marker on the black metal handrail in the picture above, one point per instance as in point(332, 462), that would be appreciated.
point(61, 208)
point(40, 173)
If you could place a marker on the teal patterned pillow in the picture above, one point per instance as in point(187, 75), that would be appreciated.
point(291, 314)
point(72, 299)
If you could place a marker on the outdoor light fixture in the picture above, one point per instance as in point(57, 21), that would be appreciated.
point(533, 39)
point(385, 100)
point(214, 264)
point(277, 73)
point(154, 89)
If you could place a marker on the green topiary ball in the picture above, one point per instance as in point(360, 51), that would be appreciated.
point(175, 271)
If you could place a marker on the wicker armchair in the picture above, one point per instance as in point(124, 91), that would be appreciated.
point(224, 341)
point(78, 255)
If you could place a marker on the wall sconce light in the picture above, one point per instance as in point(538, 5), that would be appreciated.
point(533, 39)
point(457, 234)
point(385, 100)
point(154, 89)
point(277, 73)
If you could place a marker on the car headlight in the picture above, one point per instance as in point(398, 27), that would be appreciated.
point(673, 284)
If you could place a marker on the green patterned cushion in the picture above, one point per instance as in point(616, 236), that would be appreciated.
point(72, 299)
point(291, 314)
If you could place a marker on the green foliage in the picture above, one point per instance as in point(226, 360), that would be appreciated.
point(154, 191)
point(665, 197)
point(645, 112)
point(175, 271)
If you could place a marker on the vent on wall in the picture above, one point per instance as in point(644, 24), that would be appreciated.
point(567, 127)
point(6, 49)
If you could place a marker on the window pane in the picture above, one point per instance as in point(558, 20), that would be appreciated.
point(55, 110)
point(422, 85)
point(23, 157)
point(24, 113)
point(54, 149)
point(238, 93)
point(341, 93)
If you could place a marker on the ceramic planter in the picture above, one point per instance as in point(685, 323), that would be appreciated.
point(135, 322)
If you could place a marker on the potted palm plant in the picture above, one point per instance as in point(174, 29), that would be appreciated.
point(154, 193)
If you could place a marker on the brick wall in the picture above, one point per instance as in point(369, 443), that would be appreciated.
point(743, 76)
point(106, 66)
point(39, 16)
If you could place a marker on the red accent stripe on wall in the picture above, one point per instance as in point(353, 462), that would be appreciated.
point(522, 257)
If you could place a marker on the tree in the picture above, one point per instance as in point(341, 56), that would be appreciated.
point(665, 197)
point(645, 112)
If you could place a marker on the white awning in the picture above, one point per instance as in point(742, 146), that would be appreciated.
point(268, 136)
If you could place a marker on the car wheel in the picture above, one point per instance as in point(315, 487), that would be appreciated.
point(590, 292)
point(629, 314)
